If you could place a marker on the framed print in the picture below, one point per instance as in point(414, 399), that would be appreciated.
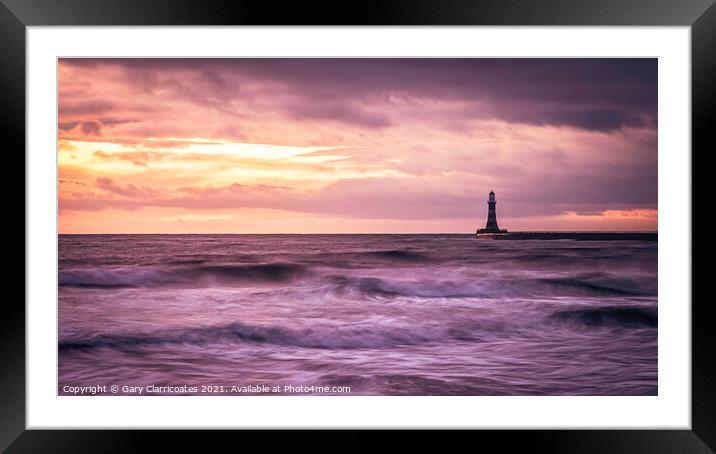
point(449, 215)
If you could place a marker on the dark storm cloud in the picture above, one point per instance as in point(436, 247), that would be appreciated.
point(591, 94)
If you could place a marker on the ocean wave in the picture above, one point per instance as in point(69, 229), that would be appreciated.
point(600, 285)
point(373, 286)
point(333, 337)
point(589, 286)
point(149, 277)
point(610, 316)
point(272, 272)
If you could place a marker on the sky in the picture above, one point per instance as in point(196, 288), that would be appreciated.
point(356, 145)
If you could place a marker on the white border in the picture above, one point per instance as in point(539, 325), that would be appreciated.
point(670, 409)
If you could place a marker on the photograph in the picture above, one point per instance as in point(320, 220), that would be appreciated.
point(357, 226)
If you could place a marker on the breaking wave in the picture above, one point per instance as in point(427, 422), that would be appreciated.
point(351, 337)
point(208, 274)
point(589, 286)
point(360, 336)
point(611, 316)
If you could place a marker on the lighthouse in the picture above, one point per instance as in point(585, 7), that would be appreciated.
point(491, 226)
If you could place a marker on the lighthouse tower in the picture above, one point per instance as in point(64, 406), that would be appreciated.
point(491, 226)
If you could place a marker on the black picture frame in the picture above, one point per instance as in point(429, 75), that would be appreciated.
point(700, 15)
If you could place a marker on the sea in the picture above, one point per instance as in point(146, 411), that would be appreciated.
point(567, 314)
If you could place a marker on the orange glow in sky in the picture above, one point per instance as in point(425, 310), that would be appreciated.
point(362, 145)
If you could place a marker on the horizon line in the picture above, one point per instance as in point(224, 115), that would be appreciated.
point(361, 233)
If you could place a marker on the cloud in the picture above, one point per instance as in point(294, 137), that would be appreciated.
point(380, 198)
point(340, 111)
point(140, 194)
point(112, 121)
point(67, 125)
point(592, 94)
point(634, 213)
point(92, 128)
point(84, 107)
point(588, 117)
point(139, 158)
